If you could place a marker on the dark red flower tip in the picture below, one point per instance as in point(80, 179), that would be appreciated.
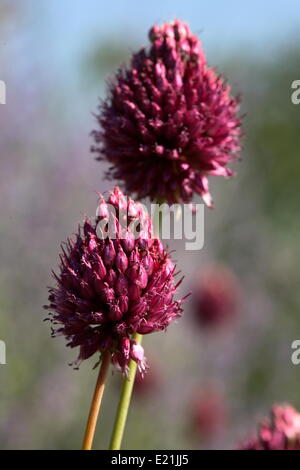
point(280, 432)
point(169, 121)
point(109, 288)
point(216, 297)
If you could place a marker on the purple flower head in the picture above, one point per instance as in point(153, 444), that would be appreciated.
point(280, 432)
point(107, 288)
point(169, 120)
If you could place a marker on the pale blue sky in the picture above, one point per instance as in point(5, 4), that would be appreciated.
point(53, 35)
point(63, 27)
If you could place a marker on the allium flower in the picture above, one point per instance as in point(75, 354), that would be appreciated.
point(280, 432)
point(169, 120)
point(110, 288)
point(208, 413)
point(216, 297)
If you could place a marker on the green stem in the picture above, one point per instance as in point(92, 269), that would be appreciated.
point(122, 411)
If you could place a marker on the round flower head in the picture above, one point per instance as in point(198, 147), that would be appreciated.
point(280, 432)
point(114, 282)
point(169, 120)
point(216, 297)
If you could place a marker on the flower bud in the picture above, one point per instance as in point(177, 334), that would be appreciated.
point(102, 211)
point(109, 253)
point(121, 261)
point(121, 285)
point(115, 313)
point(128, 241)
point(148, 264)
point(125, 347)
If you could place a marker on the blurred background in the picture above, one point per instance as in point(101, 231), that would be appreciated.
point(210, 380)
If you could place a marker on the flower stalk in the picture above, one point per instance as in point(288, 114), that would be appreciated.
point(125, 398)
point(96, 402)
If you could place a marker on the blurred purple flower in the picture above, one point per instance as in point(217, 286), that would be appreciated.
point(216, 297)
point(108, 289)
point(280, 432)
point(208, 413)
point(169, 120)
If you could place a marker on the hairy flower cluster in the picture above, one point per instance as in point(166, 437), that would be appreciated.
point(280, 432)
point(169, 120)
point(110, 288)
